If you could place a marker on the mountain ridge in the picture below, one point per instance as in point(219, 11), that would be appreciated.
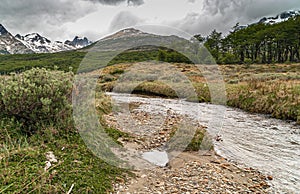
point(3, 30)
point(270, 20)
point(284, 16)
point(35, 43)
point(11, 45)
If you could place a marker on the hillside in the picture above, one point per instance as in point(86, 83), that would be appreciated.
point(22, 62)
point(121, 47)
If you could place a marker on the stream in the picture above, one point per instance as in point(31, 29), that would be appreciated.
point(253, 140)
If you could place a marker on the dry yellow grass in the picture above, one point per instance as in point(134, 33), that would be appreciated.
point(270, 89)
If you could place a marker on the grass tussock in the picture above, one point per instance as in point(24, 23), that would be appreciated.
point(187, 138)
point(278, 98)
point(23, 161)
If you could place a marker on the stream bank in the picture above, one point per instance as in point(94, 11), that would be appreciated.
point(187, 172)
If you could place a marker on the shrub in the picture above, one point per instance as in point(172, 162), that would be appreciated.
point(37, 98)
point(228, 58)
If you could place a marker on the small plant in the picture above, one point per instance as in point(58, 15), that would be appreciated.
point(199, 142)
point(117, 71)
point(37, 98)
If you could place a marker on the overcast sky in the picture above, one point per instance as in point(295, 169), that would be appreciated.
point(63, 19)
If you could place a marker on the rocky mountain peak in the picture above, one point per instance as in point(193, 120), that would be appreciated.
point(78, 42)
point(11, 45)
point(3, 31)
point(284, 16)
point(128, 32)
point(35, 37)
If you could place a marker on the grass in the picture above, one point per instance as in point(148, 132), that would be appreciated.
point(23, 159)
point(89, 61)
point(269, 89)
point(187, 137)
point(275, 97)
point(200, 141)
point(22, 62)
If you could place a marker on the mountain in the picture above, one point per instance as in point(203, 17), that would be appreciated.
point(40, 44)
point(126, 33)
point(78, 42)
point(3, 31)
point(132, 45)
point(134, 39)
point(11, 45)
point(35, 43)
point(284, 16)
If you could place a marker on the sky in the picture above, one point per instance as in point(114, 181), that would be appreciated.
point(64, 19)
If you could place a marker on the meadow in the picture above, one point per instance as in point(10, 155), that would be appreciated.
point(272, 89)
point(36, 113)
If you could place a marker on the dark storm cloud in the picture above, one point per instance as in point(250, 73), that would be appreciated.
point(249, 8)
point(50, 17)
point(21, 16)
point(117, 2)
point(260, 9)
point(224, 14)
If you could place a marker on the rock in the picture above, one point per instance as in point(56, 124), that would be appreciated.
point(120, 180)
point(143, 176)
point(159, 184)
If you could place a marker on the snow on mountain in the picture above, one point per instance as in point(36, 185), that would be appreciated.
point(78, 42)
point(3, 31)
point(284, 16)
point(129, 32)
point(35, 43)
point(136, 40)
point(40, 44)
point(11, 45)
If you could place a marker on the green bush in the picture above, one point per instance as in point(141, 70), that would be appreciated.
point(37, 98)
point(228, 58)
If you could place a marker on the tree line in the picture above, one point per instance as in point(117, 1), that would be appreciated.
point(257, 43)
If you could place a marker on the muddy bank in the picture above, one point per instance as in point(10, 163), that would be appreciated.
point(250, 140)
point(195, 173)
point(186, 172)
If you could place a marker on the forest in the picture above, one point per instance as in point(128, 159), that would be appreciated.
point(258, 43)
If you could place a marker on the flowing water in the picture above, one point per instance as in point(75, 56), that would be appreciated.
point(269, 145)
